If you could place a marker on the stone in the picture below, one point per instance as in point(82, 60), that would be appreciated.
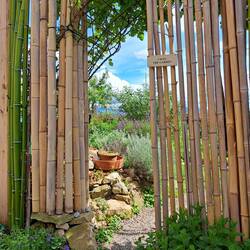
point(112, 178)
point(100, 191)
point(83, 218)
point(60, 232)
point(54, 219)
point(81, 237)
point(119, 208)
point(120, 188)
point(76, 214)
point(91, 165)
point(64, 226)
point(125, 198)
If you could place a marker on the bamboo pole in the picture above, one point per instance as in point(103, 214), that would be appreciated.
point(43, 102)
point(168, 115)
point(182, 97)
point(83, 80)
point(220, 105)
point(153, 125)
point(4, 36)
point(86, 101)
point(81, 125)
point(76, 135)
point(24, 112)
point(203, 112)
point(212, 121)
point(68, 116)
point(61, 111)
point(162, 120)
point(199, 168)
point(35, 27)
point(230, 125)
point(52, 101)
point(241, 45)
point(232, 46)
point(192, 176)
point(175, 110)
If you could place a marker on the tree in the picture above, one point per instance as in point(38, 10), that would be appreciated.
point(100, 92)
point(134, 103)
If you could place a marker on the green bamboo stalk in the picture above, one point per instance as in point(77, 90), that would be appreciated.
point(24, 109)
point(17, 137)
point(11, 179)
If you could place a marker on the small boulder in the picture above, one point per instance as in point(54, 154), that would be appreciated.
point(119, 208)
point(112, 178)
point(54, 219)
point(125, 198)
point(100, 191)
point(120, 188)
point(81, 237)
point(60, 232)
point(91, 165)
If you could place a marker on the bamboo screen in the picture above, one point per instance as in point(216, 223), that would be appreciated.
point(199, 109)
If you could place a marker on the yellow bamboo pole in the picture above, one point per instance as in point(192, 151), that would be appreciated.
point(162, 122)
point(192, 176)
point(168, 115)
point(182, 97)
point(203, 112)
point(232, 46)
point(241, 45)
point(61, 112)
point(220, 105)
point(35, 34)
point(230, 125)
point(175, 110)
point(52, 101)
point(43, 102)
point(86, 103)
point(153, 125)
point(75, 125)
point(212, 121)
point(68, 116)
point(199, 169)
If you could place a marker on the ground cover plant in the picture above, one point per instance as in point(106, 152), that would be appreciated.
point(30, 239)
point(186, 232)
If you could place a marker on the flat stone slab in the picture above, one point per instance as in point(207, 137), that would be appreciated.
point(54, 219)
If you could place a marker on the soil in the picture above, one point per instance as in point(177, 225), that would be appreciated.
point(132, 230)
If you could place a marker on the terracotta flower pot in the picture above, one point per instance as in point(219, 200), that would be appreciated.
point(108, 165)
point(107, 156)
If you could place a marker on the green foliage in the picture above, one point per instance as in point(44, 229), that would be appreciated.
point(148, 196)
point(102, 204)
point(104, 235)
point(139, 155)
point(100, 92)
point(185, 232)
point(134, 103)
point(20, 239)
point(135, 209)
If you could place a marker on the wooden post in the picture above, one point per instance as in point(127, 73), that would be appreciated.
point(4, 6)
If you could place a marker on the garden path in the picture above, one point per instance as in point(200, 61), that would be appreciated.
point(132, 230)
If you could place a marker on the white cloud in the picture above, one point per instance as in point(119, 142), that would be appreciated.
point(141, 54)
point(117, 83)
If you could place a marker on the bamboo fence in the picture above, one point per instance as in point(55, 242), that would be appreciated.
point(200, 148)
point(214, 107)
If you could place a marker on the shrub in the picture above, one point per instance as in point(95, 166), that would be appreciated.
point(186, 232)
point(31, 239)
point(139, 155)
point(140, 128)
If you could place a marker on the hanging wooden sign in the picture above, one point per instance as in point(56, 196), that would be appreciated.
point(162, 60)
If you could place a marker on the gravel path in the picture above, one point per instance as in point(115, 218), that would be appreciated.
point(132, 229)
